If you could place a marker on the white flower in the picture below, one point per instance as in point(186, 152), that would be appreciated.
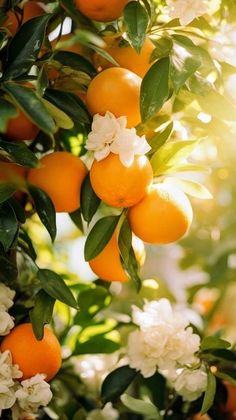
point(186, 10)
point(190, 384)
point(109, 134)
point(33, 393)
point(163, 342)
point(8, 373)
point(107, 413)
point(6, 296)
point(6, 322)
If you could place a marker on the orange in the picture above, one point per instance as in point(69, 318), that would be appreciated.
point(60, 175)
point(31, 9)
point(21, 128)
point(230, 405)
point(11, 171)
point(162, 216)
point(128, 58)
point(118, 185)
point(107, 265)
point(116, 90)
point(101, 10)
point(33, 356)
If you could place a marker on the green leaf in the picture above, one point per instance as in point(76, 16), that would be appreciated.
point(18, 209)
point(99, 236)
point(127, 253)
point(209, 394)
point(8, 270)
point(217, 105)
point(75, 61)
point(42, 81)
point(213, 342)
point(8, 225)
point(171, 154)
point(184, 62)
point(45, 209)
point(154, 89)
point(25, 47)
point(193, 188)
point(163, 48)
point(117, 382)
point(54, 286)
point(41, 313)
point(160, 138)
point(89, 200)
point(6, 191)
point(145, 408)
point(19, 153)
point(61, 119)
point(77, 220)
point(94, 299)
point(136, 20)
point(25, 240)
point(31, 104)
point(70, 104)
point(226, 377)
point(7, 111)
point(95, 345)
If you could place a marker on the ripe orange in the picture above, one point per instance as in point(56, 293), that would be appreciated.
point(21, 128)
point(162, 216)
point(60, 175)
point(116, 90)
point(101, 10)
point(118, 185)
point(31, 355)
point(230, 405)
point(107, 265)
point(31, 9)
point(11, 171)
point(128, 58)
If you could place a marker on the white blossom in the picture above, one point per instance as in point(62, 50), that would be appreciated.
point(6, 322)
point(164, 340)
point(6, 296)
point(8, 373)
point(190, 384)
point(222, 45)
point(107, 413)
point(186, 10)
point(31, 394)
point(109, 134)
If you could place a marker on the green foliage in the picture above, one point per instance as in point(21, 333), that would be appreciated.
point(116, 383)
point(136, 20)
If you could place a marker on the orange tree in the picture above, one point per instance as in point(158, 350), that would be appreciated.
point(99, 123)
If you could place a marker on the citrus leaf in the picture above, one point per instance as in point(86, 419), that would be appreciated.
point(217, 105)
point(172, 153)
point(8, 270)
point(117, 382)
point(61, 119)
point(8, 225)
point(45, 209)
point(141, 407)
point(54, 286)
point(25, 47)
point(75, 61)
point(41, 313)
point(95, 345)
point(136, 20)
point(213, 342)
point(154, 89)
point(19, 153)
point(193, 188)
point(7, 111)
point(70, 104)
point(160, 138)
point(77, 220)
point(89, 200)
point(127, 254)
point(6, 191)
point(209, 394)
point(99, 236)
point(31, 104)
